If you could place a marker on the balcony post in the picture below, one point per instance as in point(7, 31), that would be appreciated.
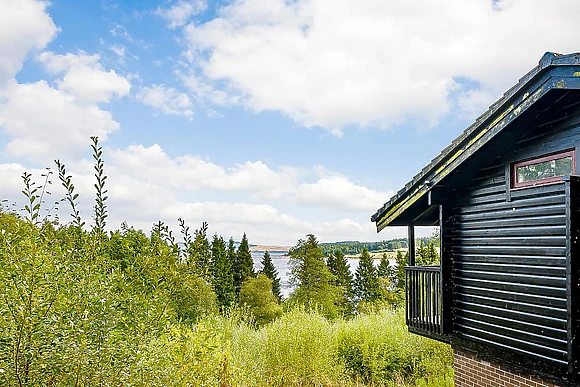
point(411, 243)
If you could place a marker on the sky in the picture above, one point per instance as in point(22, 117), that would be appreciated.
point(276, 118)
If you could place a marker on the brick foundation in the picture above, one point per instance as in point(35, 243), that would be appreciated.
point(473, 372)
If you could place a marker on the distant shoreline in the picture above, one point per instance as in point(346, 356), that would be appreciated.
point(270, 248)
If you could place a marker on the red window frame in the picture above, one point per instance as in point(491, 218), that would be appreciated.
point(537, 160)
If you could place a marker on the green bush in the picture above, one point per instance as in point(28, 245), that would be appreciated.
point(256, 294)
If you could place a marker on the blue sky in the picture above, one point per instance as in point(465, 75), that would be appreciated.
point(275, 118)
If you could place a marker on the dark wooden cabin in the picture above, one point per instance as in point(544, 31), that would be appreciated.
point(506, 196)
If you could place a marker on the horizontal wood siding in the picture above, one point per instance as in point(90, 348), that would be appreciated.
point(509, 266)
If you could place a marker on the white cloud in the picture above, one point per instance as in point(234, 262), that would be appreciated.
point(338, 192)
point(141, 195)
point(331, 64)
point(44, 122)
point(24, 25)
point(119, 50)
point(167, 99)
point(179, 13)
point(191, 172)
point(84, 77)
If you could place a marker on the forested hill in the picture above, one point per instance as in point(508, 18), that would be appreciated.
point(356, 247)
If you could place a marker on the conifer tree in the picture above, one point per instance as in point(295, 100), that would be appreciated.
point(244, 264)
point(270, 271)
point(200, 254)
point(385, 270)
point(366, 283)
point(427, 254)
point(315, 283)
point(399, 272)
point(231, 254)
point(222, 275)
point(338, 266)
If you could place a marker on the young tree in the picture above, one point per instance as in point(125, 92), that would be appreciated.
point(385, 270)
point(270, 271)
point(399, 272)
point(222, 276)
point(256, 294)
point(231, 253)
point(427, 254)
point(338, 266)
point(244, 264)
point(315, 283)
point(366, 283)
point(200, 251)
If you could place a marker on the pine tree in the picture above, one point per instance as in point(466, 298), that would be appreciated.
point(315, 283)
point(399, 273)
point(366, 282)
point(270, 271)
point(385, 270)
point(431, 254)
point(244, 264)
point(222, 275)
point(338, 266)
point(231, 254)
point(200, 254)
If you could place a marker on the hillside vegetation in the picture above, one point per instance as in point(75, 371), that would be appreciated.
point(85, 307)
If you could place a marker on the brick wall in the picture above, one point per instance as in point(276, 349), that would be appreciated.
point(473, 372)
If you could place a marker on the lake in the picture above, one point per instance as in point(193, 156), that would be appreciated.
point(281, 262)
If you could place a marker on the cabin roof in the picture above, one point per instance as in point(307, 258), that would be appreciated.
point(499, 114)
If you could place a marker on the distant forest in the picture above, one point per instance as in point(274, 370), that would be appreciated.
point(355, 247)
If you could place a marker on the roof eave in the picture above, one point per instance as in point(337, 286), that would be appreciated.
point(498, 116)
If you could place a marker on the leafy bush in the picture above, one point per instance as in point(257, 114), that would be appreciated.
point(256, 294)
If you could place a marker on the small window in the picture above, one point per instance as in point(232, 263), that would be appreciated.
point(543, 170)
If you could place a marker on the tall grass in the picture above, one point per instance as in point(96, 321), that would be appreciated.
point(302, 348)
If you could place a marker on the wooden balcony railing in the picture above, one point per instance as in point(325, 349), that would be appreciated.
point(424, 306)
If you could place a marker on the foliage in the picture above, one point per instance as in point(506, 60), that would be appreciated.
point(222, 273)
point(270, 271)
point(427, 254)
point(355, 247)
point(199, 254)
point(366, 283)
point(399, 273)
point(385, 270)
point(338, 266)
point(244, 264)
point(100, 208)
point(315, 283)
point(87, 308)
point(256, 294)
point(376, 347)
point(71, 196)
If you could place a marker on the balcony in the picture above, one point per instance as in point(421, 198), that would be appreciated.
point(424, 302)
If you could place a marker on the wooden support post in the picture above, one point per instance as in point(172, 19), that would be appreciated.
point(411, 237)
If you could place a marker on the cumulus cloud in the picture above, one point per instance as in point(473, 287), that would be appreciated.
point(24, 26)
point(145, 185)
point(41, 119)
point(42, 122)
point(84, 77)
point(331, 64)
point(167, 99)
point(338, 192)
point(179, 13)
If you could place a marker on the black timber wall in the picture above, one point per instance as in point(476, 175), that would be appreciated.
point(508, 253)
